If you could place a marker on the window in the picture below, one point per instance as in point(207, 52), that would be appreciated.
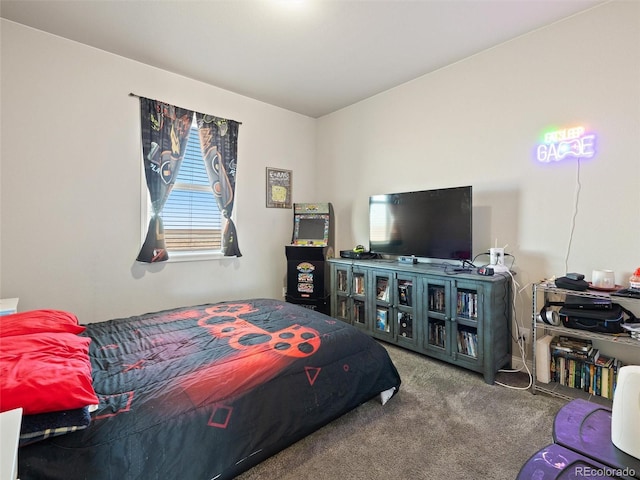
point(194, 227)
point(191, 217)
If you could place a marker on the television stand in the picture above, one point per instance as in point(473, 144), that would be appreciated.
point(461, 318)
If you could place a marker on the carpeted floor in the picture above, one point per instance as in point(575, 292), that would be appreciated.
point(445, 423)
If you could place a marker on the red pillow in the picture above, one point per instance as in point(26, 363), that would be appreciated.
point(45, 372)
point(36, 321)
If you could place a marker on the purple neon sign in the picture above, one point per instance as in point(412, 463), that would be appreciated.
point(564, 143)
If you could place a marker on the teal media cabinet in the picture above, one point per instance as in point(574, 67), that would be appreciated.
point(460, 318)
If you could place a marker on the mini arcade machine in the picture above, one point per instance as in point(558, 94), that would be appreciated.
point(311, 246)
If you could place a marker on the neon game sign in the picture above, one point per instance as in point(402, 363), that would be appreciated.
point(564, 143)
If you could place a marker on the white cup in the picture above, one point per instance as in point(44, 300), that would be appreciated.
point(609, 280)
point(603, 279)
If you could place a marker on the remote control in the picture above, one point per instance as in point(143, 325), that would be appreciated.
point(575, 276)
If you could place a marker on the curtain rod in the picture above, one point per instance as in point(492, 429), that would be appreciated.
point(131, 94)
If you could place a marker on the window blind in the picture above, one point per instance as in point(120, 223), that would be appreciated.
point(191, 216)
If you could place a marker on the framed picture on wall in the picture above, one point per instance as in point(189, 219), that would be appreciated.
point(279, 188)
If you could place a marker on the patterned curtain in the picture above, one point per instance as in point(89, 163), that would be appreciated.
point(165, 131)
point(219, 143)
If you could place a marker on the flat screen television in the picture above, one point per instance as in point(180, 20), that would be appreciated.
point(429, 223)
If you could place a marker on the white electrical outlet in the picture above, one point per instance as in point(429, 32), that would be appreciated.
point(284, 291)
point(525, 334)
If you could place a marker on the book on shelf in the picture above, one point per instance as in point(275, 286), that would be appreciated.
point(436, 299)
point(342, 309)
point(571, 344)
point(633, 329)
point(573, 348)
point(575, 363)
point(468, 343)
point(358, 312)
point(405, 296)
point(382, 289)
point(437, 334)
point(405, 324)
point(382, 321)
point(467, 304)
point(342, 281)
point(358, 284)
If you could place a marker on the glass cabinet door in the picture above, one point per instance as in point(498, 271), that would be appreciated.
point(383, 323)
point(436, 318)
point(340, 298)
point(465, 324)
point(358, 299)
point(406, 305)
point(348, 300)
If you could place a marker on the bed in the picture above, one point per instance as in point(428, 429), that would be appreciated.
point(207, 392)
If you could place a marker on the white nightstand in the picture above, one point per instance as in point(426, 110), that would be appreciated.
point(8, 306)
point(10, 422)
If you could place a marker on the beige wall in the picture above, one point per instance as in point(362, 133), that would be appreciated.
point(477, 122)
point(71, 182)
point(70, 226)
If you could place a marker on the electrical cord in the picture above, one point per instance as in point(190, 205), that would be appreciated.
point(524, 363)
point(513, 261)
point(575, 214)
point(466, 267)
point(519, 340)
point(474, 258)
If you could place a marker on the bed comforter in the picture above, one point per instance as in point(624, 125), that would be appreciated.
point(206, 392)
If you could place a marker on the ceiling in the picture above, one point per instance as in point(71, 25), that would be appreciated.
point(308, 56)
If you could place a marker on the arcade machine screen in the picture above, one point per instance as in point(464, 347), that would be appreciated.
point(311, 230)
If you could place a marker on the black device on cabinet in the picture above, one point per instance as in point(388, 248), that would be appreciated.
point(312, 243)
